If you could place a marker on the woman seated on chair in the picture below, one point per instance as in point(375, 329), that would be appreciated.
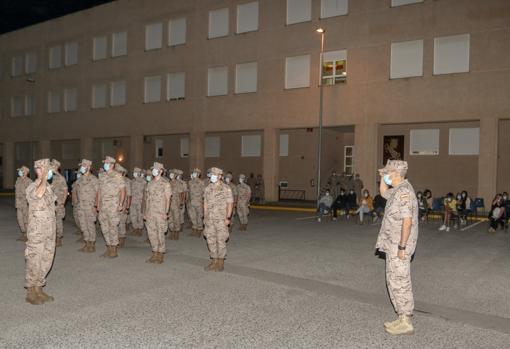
point(450, 211)
point(497, 213)
point(366, 205)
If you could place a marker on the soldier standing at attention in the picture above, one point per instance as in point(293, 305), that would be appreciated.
point(175, 207)
point(229, 181)
point(112, 193)
point(157, 204)
point(21, 203)
point(59, 186)
point(196, 203)
point(243, 202)
point(40, 248)
point(138, 184)
point(397, 239)
point(75, 205)
point(126, 205)
point(183, 192)
point(218, 205)
point(87, 190)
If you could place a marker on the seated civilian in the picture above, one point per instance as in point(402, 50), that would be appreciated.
point(325, 203)
point(366, 205)
point(497, 214)
point(379, 206)
point(450, 211)
point(339, 203)
point(428, 197)
point(422, 205)
point(351, 202)
point(506, 204)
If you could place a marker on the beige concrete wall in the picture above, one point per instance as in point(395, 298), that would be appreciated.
point(117, 147)
point(72, 159)
point(171, 152)
point(504, 156)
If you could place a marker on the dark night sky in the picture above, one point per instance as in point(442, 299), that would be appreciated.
point(15, 14)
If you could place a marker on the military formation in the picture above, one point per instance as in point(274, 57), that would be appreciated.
point(155, 200)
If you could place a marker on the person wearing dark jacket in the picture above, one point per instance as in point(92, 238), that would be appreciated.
point(351, 202)
point(339, 203)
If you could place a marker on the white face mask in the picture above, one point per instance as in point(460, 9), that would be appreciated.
point(241, 180)
point(172, 175)
point(135, 175)
point(155, 172)
point(179, 177)
point(214, 178)
point(227, 180)
point(148, 178)
point(194, 175)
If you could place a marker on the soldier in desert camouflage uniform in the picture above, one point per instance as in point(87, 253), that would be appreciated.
point(21, 203)
point(397, 239)
point(157, 204)
point(183, 192)
point(243, 202)
point(59, 186)
point(175, 207)
point(87, 191)
point(196, 203)
point(41, 232)
point(127, 204)
point(112, 193)
point(138, 184)
point(76, 207)
point(218, 206)
point(229, 180)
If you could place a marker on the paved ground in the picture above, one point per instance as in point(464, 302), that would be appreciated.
point(289, 282)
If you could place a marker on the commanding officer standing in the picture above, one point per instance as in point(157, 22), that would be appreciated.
point(175, 207)
point(59, 186)
point(87, 190)
point(196, 203)
point(397, 239)
point(218, 205)
point(157, 204)
point(243, 202)
point(112, 193)
point(126, 205)
point(40, 249)
point(21, 203)
point(138, 184)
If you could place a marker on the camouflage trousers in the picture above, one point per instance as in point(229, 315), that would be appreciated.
point(40, 248)
point(109, 218)
point(157, 225)
point(87, 216)
point(60, 215)
point(122, 225)
point(216, 233)
point(196, 214)
point(400, 288)
point(174, 218)
point(76, 216)
point(183, 211)
point(242, 212)
point(136, 216)
point(22, 215)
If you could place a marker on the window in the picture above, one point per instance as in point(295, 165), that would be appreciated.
point(251, 145)
point(184, 147)
point(406, 59)
point(349, 159)
point(217, 81)
point(55, 57)
point(99, 96)
point(424, 142)
point(334, 67)
point(70, 99)
point(464, 141)
point(333, 8)
point(218, 23)
point(451, 54)
point(100, 48)
point(246, 77)
point(16, 106)
point(297, 71)
point(284, 144)
point(30, 63)
point(212, 147)
point(152, 89)
point(53, 102)
point(176, 86)
point(158, 147)
point(29, 105)
point(119, 44)
point(247, 17)
point(117, 93)
point(71, 53)
point(177, 32)
point(153, 36)
point(17, 66)
point(395, 3)
point(299, 11)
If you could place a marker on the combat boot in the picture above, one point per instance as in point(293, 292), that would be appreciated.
point(32, 297)
point(219, 264)
point(391, 324)
point(58, 242)
point(212, 265)
point(22, 237)
point(160, 258)
point(85, 247)
point(122, 242)
point(153, 258)
point(113, 252)
point(92, 247)
point(404, 327)
point(41, 294)
point(107, 252)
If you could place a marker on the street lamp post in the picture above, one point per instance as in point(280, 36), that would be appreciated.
point(321, 99)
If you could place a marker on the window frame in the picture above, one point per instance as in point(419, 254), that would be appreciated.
point(351, 166)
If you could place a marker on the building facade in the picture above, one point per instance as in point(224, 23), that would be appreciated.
point(235, 84)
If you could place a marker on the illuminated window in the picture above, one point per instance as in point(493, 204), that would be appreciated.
point(334, 68)
point(349, 159)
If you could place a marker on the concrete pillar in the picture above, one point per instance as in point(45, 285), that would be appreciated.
point(488, 160)
point(8, 165)
point(197, 151)
point(135, 152)
point(86, 148)
point(270, 163)
point(365, 154)
point(45, 149)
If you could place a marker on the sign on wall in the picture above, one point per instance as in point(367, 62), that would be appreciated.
point(393, 148)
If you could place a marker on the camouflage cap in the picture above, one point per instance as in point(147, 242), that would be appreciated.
point(109, 159)
point(158, 166)
point(42, 163)
point(399, 166)
point(178, 172)
point(137, 170)
point(119, 168)
point(216, 171)
point(23, 168)
point(55, 163)
point(197, 170)
point(85, 162)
